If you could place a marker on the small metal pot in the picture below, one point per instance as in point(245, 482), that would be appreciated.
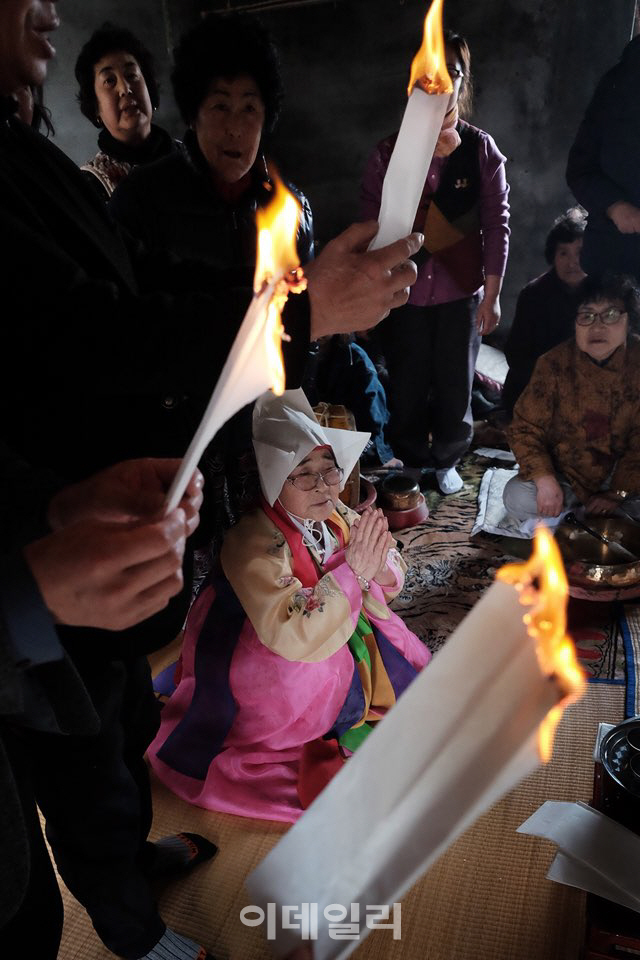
point(620, 758)
point(591, 563)
point(399, 492)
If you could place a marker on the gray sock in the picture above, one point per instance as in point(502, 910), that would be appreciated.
point(180, 852)
point(173, 946)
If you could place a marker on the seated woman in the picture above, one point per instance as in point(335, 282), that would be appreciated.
point(546, 307)
point(118, 94)
point(576, 427)
point(288, 661)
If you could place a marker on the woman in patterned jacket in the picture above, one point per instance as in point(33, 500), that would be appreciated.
point(290, 660)
point(576, 427)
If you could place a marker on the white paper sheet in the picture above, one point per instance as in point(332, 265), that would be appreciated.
point(459, 737)
point(409, 165)
point(244, 377)
point(595, 852)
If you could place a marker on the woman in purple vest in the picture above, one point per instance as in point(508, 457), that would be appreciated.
point(431, 343)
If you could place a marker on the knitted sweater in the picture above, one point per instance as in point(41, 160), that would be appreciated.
point(581, 419)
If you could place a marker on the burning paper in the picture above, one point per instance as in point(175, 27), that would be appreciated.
point(478, 719)
point(255, 362)
point(429, 91)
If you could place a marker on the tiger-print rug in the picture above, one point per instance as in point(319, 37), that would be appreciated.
point(449, 570)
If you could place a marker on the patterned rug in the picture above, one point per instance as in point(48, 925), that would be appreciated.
point(449, 571)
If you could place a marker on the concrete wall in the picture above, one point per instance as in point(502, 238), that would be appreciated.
point(535, 63)
point(74, 134)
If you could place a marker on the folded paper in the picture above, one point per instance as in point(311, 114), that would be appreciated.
point(595, 853)
point(409, 165)
point(434, 764)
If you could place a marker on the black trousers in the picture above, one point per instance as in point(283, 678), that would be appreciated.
point(95, 795)
point(36, 928)
point(431, 355)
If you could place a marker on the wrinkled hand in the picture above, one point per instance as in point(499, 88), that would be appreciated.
point(625, 216)
point(109, 575)
point(352, 288)
point(129, 491)
point(369, 543)
point(549, 496)
point(602, 503)
point(487, 316)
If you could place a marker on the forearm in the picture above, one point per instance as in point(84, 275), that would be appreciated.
point(492, 288)
point(529, 441)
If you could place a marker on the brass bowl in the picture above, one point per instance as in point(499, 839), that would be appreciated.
point(590, 563)
point(399, 492)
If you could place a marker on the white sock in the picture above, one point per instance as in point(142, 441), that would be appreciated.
point(449, 480)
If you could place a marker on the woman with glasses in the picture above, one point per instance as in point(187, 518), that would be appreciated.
point(292, 657)
point(576, 427)
point(431, 344)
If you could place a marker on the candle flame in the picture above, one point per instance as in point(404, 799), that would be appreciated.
point(547, 622)
point(429, 67)
point(277, 265)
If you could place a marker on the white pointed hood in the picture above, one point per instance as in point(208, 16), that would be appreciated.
point(285, 431)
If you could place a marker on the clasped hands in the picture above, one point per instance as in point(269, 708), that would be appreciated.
point(368, 547)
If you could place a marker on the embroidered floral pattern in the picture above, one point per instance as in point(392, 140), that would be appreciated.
point(285, 581)
point(307, 599)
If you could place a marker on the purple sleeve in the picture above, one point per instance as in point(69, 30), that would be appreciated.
point(494, 207)
point(374, 174)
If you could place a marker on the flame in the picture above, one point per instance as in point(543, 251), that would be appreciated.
point(547, 623)
point(277, 265)
point(277, 231)
point(429, 67)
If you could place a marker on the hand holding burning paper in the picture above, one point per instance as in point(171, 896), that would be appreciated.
point(255, 362)
point(476, 721)
point(429, 90)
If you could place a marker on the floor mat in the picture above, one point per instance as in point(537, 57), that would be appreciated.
point(487, 898)
point(449, 570)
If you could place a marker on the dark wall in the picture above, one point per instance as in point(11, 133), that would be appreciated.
point(535, 64)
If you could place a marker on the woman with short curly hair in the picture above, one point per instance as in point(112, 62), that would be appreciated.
point(200, 203)
point(576, 427)
point(118, 93)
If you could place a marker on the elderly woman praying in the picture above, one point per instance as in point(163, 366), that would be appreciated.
point(290, 659)
point(576, 427)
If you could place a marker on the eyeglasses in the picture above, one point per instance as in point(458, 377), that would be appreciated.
point(309, 481)
point(454, 72)
point(587, 317)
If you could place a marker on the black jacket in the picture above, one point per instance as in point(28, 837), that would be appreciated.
point(545, 316)
point(106, 353)
point(39, 687)
point(604, 162)
point(172, 205)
